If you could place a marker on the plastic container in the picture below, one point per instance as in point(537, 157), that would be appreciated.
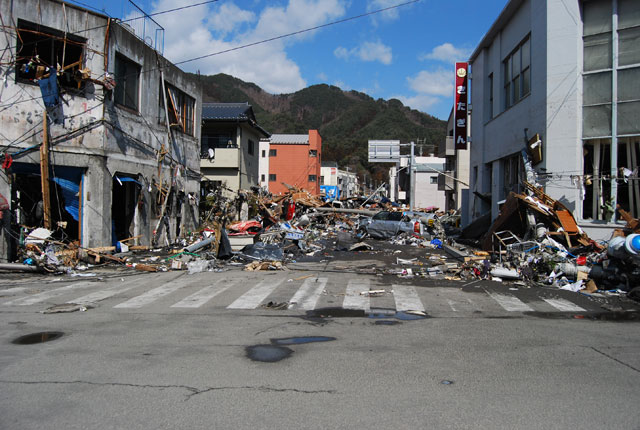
point(625, 247)
point(571, 270)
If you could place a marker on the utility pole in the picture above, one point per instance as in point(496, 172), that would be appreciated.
point(412, 176)
point(44, 172)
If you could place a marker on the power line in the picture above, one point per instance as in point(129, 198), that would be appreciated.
point(378, 11)
point(271, 39)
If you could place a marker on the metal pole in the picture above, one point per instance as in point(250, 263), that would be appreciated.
point(412, 176)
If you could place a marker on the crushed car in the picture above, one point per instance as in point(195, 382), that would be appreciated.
point(388, 224)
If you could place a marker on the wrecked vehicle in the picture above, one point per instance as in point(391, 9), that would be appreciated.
point(387, 224)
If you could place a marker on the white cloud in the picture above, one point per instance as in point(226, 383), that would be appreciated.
point(229, 17)
point(447, 53)
point(434, 83)
point(431, 88)
point(203, 30)
point(367, 51)
point(421, 102)
point(390, 14)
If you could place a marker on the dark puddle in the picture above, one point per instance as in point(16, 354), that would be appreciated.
point(276, 352)
point(30, 339)
point(359, 313)
point(301, 340)
point(268, 353)
point(387, 322)
point(402, 316)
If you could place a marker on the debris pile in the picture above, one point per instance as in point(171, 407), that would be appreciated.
point(535, 241)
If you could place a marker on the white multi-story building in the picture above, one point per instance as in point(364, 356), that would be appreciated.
point(567, 71)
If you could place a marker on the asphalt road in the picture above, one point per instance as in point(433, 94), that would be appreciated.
point(173, 350)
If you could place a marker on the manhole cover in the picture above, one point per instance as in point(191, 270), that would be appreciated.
point(44, 336)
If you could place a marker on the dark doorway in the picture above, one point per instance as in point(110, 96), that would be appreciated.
point(124, 199)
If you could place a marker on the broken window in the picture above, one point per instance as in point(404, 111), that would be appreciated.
point(127, 75)
point(313, 153)
point(40, 48)
point(512, 170)
point(181, 108)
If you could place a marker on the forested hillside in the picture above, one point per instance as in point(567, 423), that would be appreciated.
point(346, 120)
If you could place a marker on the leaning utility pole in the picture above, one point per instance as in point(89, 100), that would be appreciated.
point(44, 172)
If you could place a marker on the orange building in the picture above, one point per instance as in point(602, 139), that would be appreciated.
point(294, 159)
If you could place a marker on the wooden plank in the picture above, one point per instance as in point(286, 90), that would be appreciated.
point(44, 171)
point(567, 221)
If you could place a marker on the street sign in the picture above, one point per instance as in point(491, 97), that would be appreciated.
point(384, 151)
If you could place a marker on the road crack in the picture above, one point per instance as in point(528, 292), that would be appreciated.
point(192, 391)
point(615, 359)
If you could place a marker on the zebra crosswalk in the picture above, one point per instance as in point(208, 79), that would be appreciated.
point(167, 292)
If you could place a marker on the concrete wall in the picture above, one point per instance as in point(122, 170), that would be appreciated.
point(427, 193)
point(263, 164)
point(503, 135)
point(95, 134)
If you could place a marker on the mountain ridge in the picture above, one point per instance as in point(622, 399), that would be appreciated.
point(346, 120)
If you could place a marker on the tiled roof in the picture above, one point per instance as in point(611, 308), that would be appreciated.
point(290, 139)
point(240, 112)
point(227, 111)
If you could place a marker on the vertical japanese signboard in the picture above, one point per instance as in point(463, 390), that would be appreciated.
point(460, 106)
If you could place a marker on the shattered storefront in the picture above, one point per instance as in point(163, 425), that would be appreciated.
point(99, 139)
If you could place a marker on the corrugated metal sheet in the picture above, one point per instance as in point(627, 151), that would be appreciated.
point(290, 139)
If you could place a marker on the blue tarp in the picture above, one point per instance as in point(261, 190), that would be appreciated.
point(331, 192)
point(68, 178)
point(127, 179)
point(70, 192)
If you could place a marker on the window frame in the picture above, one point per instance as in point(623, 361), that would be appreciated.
point(272, 177)
point(514, 88)
point(74, 54)
point(122, 80)
point(273, 152)
point(312, 178)
point(182, 109)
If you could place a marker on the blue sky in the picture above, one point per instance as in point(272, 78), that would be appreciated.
point(405, 53)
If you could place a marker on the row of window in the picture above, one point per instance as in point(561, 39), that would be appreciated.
point(40, 48)
point(274, 153)
point(272, 178)
point(516, 72)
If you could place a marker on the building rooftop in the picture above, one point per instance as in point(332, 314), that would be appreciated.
point(290, 139)
point(239, 112)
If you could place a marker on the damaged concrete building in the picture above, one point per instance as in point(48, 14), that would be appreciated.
point(118, 156)
point(561, 78)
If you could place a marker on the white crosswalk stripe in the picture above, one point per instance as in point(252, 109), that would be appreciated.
point(102, 294)
point(46, 295)
point(564, 305)
point(406, 298)
point(201, 297)
point(356, 296)
point(167, 292)
point(308, 294)
point(510, 303)
point(252, 298)
point(150, 296)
